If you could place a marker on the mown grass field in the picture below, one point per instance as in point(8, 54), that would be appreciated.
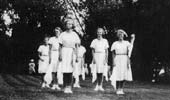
point(27, 87)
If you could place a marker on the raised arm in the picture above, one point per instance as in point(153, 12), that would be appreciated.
point(131, 45)
point(132, 39)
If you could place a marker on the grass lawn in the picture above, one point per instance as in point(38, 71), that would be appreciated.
point(27, 87)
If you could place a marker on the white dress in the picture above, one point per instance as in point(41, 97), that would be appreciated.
point(54, 42)
point(68, 41)
point(44, 63)
point(78, 68)
point(99, 46)
point(122, 70)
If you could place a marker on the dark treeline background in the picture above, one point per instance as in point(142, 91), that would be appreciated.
point(148, 19)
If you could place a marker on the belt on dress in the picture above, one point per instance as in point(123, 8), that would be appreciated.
point(122, 54)
point(67, 47)
point(99, 52)
point(44, 55)
point(54, 50)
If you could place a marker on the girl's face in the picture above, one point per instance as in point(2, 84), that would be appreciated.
point(99, 33)
point(120, 35)
point(46, 40)
point(69, 24)
point(57, 32)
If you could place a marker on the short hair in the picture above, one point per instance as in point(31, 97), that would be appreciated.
point(58, 28)
point(68, 20)
point(99, 28)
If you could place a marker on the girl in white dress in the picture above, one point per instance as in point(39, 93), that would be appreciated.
point(100, 56)
point(43, 63)
point(121, 52)
point(69, 41)
point(79, 66)
point(54, 56)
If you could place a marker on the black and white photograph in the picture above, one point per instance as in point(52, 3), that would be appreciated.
point(84, 50)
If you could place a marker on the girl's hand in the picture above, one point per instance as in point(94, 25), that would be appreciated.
point(94, 62)
point(77, 59)
point(60, 58)
point(50, 61)
point(132, 36)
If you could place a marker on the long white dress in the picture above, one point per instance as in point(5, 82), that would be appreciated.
point(54, 42)
point(44, 63)
point(99, 46)
point(122, 70)
point(68, 41)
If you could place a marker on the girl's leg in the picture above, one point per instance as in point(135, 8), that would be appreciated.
point(67, 82)
point(97, 83)
point(42, 80)
point(100, 81)
point(54, 81)
point(76, 84)
point(118, 87)
point(65, 79)
point(42, 77)
point(77, 80)
point(70, 82)
point(54, 76)
point(99, 78)
point(121, 86)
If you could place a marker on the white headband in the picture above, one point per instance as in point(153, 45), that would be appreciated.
point(122, 31)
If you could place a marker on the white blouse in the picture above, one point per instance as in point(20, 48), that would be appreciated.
point(121, 47)
point(54, 42)
point(44, 50)
point(99, 45)
point(69, 39)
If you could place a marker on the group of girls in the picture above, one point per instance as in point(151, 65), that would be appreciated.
point(62, 56)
